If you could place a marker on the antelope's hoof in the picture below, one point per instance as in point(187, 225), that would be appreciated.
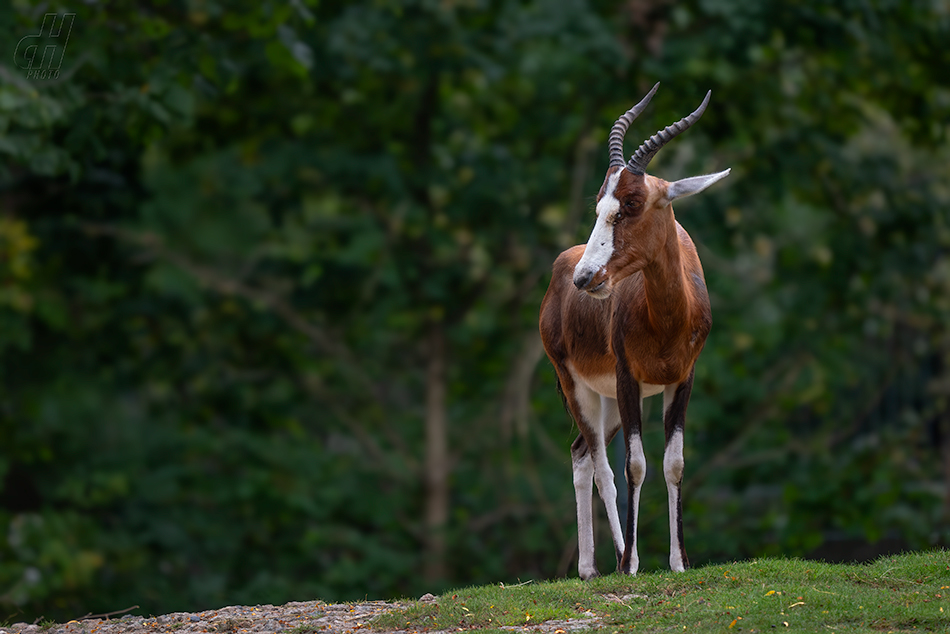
point(587, 575)
point(679, 564)
point(629, 568)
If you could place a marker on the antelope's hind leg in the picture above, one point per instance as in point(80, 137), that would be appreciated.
point(630, 408)
point(675, 400)
point(583, 468)
point(604, 475)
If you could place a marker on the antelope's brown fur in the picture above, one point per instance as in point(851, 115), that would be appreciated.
point(658, 307)
point(625, 317)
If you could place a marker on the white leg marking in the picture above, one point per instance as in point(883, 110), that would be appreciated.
point(673, 472)
point(637, 470)
point(583, 493)
point(584, 470)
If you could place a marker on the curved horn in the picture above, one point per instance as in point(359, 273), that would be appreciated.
point(615, 140)
point(641, 158)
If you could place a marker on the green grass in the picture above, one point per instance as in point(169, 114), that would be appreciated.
point(906, 593)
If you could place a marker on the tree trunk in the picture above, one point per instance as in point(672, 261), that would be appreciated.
point(945, 437)
point(516, 402)
point(436, 459)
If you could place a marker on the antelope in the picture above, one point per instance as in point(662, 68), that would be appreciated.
point(624, 318)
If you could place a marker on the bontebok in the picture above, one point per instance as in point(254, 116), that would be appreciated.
point(625, 317)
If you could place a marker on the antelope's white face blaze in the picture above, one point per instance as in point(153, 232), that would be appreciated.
point(600, 245)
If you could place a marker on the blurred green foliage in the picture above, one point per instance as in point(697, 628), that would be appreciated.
point(226, 236)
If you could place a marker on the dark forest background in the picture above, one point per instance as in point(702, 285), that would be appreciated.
point(270, 274)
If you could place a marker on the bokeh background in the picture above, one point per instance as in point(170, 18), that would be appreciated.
point(270, 274)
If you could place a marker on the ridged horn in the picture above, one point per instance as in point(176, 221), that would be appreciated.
point(648, 149)
point(615, 140)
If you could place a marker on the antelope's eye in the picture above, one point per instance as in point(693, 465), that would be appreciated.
point(629, 208)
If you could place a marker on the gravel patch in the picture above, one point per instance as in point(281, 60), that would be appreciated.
point(308, 617)
point(294, 618)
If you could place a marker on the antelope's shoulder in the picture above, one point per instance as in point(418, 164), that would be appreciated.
point(564, 263)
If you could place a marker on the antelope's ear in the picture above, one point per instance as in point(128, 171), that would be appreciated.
point(693, 185)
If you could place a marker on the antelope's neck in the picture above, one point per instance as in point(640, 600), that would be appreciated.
point(664, 286)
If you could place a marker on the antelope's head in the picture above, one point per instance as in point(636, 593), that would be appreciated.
point(634, 211)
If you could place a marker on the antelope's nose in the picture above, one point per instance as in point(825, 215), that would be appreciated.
point(582, 279)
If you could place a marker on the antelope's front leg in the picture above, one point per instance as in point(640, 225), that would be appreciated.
point(599, 422)
point(675, 400)
point(585, 407)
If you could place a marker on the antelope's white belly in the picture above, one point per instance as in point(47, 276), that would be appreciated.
point(606, 384)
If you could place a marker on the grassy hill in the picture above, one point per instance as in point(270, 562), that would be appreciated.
point(906, 593)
